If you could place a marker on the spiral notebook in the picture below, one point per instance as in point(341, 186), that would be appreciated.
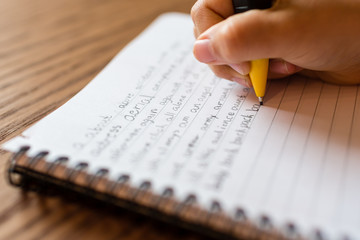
point(158, 133)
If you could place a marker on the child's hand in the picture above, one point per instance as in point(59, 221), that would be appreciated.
point(318, 38)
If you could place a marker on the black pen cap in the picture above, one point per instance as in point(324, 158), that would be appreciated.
point(245, 5)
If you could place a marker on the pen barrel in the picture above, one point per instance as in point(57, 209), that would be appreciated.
point(258, 75)
point(245, 5)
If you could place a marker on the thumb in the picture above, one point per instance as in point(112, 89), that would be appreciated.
point(243, 37)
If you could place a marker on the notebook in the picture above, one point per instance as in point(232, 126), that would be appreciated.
point(158, 133)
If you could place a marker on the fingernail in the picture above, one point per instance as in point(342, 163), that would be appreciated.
point(243, 81)
point(243, 68)
point(203, 51)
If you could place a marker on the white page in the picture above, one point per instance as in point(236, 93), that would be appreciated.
point(156, 114)
point(348, 208)
point(311, 166)
point(280, 188)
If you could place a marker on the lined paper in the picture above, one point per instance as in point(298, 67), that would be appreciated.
point(156, 114)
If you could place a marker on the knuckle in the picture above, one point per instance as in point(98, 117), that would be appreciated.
point(196, 11)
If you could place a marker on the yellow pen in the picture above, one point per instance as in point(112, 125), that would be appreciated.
point(259, 68)
point(258, 75)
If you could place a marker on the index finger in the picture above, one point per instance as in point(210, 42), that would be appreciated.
point(206, 13)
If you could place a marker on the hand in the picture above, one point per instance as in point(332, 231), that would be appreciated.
point(316, 38)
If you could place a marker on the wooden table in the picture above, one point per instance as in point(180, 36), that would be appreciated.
point(49, 50)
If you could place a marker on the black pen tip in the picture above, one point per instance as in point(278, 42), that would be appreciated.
point(261, 100)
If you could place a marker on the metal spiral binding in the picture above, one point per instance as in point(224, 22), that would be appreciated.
point(60, 161)
point(265, 223)
point(243, 227)
point(78, 175)
point(144, 195)
point(266, 229)
point(182, 208)
point(190, 211)
point(21, 163)
point(317, 235)
point(218, 220)
point(290, 232)
point(32, 162)
point(13, 177)
point(320, 235)
point(122, 188)
point(239, 225)
point(58, 168)
point(99, 181)
point(166, 202)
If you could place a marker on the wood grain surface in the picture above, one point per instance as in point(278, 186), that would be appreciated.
point(49, 50)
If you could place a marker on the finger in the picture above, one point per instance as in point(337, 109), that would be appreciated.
point(206, 13)
point(279, 68)
point(252, 35)
point(226, 72)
